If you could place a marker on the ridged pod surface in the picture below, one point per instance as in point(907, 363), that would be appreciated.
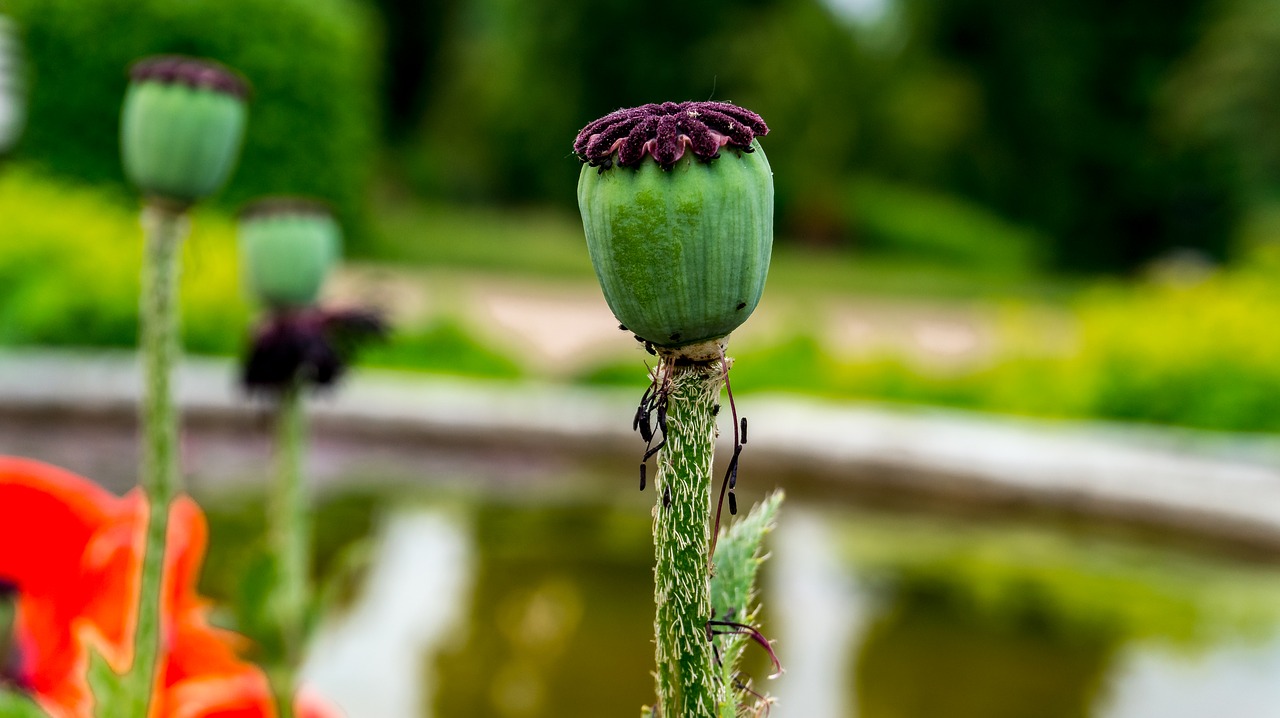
point(681, 253)
point(180, 132)
point(286, 255)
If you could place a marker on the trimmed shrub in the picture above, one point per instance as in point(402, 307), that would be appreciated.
point(312, 63)
point(70, 261)
point(70, 265)
point(1195, 348)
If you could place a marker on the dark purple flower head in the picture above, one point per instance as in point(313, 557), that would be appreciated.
point(310, 346)
point(664, 131)
point(199, 74)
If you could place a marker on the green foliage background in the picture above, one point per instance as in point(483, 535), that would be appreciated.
point(313, 65)
point(69, 277)
point(1104, 135)
point(1059, 117)
point(980, 136)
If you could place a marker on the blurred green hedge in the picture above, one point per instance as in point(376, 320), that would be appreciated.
point(312, 63)
point(70, 259)
point(1189, 346)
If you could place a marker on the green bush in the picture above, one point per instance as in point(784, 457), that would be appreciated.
point(444, 347)
point(70, 259)
point(1199, 351)
point(312, 64)
point(69, 270)
point(1203, 353)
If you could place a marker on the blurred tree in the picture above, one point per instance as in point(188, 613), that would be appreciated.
point(414, 38)
point(1223, 95)
point(802, 70)
point(525, 76)
point(1070, 101)
point(1050, 114)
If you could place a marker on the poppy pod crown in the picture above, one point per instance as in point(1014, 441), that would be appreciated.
point(677, 207)
point(181, 127)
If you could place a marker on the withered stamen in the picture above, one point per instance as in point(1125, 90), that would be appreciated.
point(665, 131)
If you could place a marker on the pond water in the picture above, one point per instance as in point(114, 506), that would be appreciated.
point(503, 605)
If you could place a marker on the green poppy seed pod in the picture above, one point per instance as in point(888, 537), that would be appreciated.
point(287, 247)
point(181, 127)
point(677, 205)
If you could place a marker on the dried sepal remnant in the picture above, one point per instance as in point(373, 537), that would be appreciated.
point(734, 628)
point(312, 346)
point(651, 416)
point(665, 131)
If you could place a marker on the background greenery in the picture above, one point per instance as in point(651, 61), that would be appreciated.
point(979, 149)
point(1101, 136)
point(1079, 120)
point(1121, 364)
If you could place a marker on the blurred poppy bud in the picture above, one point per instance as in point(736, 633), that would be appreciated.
point(677, 205)
point(181, 127)
point(287, 248)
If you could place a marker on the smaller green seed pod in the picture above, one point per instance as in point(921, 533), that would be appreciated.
point(287, 248)
point(181, 127)
point(677, 206)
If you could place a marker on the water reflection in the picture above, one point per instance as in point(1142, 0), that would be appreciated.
point(506, 609)
point(819, 608)
point(367, 659)
point(560, 618)
point(926, 657)
point(1157, 681)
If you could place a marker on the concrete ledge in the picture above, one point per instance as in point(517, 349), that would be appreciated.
point(1216, 485)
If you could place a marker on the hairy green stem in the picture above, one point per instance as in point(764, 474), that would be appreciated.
point(164, 229)
point(290, 538)
point(687, 683)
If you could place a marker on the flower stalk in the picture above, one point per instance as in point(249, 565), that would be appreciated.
point(164, 228)
point(688, 685)
point(181, 125)
point(288, 246)
point(290, 530)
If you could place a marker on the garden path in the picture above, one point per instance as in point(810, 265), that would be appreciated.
point(560, 326)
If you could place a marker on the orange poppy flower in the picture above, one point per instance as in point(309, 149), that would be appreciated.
point(73, 551)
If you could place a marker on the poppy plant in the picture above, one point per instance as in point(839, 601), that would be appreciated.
point(677, 208)
point(73, 553)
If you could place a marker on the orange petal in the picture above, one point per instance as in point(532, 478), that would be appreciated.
point(80, 578)
point(239, 695)
point(46, 517)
